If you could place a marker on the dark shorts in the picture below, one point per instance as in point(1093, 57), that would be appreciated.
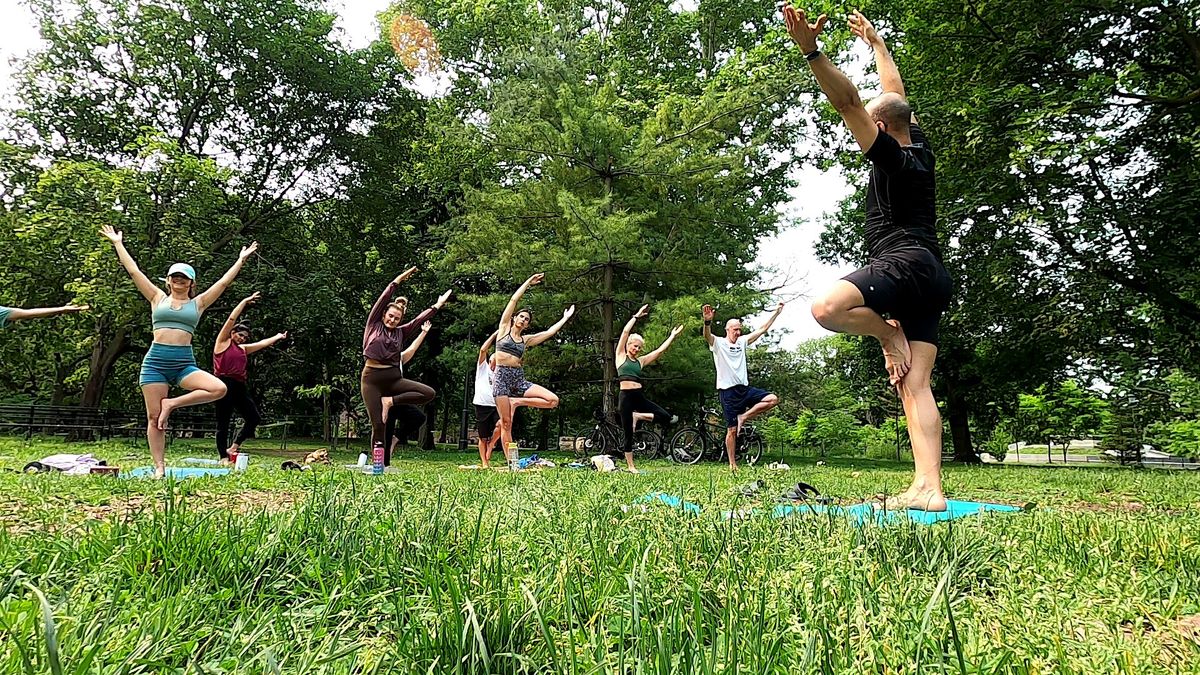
point(737, 400)
point(486, 417)
point(909, 285)
point(509, 381)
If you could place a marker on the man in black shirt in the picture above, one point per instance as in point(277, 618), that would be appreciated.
point(904, 277)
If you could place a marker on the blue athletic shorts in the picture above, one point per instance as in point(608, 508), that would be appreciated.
point(738, 399)
point(167, 364)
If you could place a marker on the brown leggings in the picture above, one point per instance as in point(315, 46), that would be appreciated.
point(378, 383)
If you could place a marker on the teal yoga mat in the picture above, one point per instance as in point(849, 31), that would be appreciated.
point(670, 500)
point(861, 513)
point(176, 472)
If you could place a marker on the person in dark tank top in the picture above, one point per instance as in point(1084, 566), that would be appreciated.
point(632, 403)
point(900, 295)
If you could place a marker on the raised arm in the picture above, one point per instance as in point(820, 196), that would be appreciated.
point(223, 337)
point(209, 296)
point(889, 75)
point(653, 356)
point(627, 331)
point(18, 314)
point(263, 344)
point(408, 353)
point(511, 307)
point(146, 287)
point(381, 303)
point(753, 337)
point(409, 328)
point(484, 349)
point(708, 313)
point(539, 338)
point(837, 87)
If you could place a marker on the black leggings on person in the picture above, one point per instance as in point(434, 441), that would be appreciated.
point(237, 397)
point(380, 383)
point(634, 401)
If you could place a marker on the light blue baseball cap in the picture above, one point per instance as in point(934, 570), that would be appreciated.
point(184, 269)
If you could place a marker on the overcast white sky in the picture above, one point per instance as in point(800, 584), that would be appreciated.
point(791, 251)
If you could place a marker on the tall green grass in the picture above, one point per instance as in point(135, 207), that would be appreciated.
point(443, 571)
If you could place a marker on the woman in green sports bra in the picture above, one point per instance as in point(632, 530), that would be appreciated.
point(170, 360)
point(632, 403)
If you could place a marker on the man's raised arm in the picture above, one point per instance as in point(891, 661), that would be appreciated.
point(837, 87)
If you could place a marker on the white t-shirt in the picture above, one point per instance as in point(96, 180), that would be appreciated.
point(730, 358)
point(483, 385)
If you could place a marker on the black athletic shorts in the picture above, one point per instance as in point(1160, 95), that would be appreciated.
point(486, 417)
point(909, 285)
point(738, 399)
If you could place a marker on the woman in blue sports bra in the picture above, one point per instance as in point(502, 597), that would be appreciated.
point(170, 360)
point(509, 386)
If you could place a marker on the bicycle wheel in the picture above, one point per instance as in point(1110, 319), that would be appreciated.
point(687, 446)
point(593, 444)
point(646, 444)
point(750, 447)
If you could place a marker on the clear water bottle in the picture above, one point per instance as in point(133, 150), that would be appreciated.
point(377, 459)
point(513, 456)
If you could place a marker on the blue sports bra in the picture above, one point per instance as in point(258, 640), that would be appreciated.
point(185, 318)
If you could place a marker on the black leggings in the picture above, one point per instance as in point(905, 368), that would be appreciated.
point(631, 401)
point(380, 383)
point(237, 397)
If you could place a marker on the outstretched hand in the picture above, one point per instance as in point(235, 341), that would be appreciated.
point(111, 234)
point(248, 251)
point(708, 312)
point(281, 336)
point(568, 312)
point(676, 330)
point(779, 308)
point(426, 326)
point(403, 276)
point(536, 279)
point(860, 26)
point(251, 299)
point(803, 33)
point(643, 312)
point(72, 309)
point(441, 301)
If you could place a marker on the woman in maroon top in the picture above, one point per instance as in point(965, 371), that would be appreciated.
point(229, 364)
point(383, 381)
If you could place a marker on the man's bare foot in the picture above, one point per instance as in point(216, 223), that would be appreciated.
point(160, 472)
point(741, 423)
point(387, 403)
point(164, 413)
point(925, 500)
point(897, 356)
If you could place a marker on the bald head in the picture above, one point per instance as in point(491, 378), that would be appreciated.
point(893, 110)
point(733, 329)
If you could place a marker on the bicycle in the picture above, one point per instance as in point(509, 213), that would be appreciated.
point(606, 437)
point(706, 438)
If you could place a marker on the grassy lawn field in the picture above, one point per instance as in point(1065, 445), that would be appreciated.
point(439, 570)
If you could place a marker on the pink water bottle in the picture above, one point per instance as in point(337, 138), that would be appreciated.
point(377, 459)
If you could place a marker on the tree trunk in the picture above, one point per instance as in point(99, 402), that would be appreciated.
point(104, 355)
point(544, 432)
point(959, 417)
point(326, 428)
point(608, 344)
point(427, 429)
point(445, 417)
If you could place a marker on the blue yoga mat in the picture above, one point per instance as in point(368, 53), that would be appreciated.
point(670, 500)
point(176, 472)
point(862, 513)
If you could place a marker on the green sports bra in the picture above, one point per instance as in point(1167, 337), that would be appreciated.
point(185, 318)
point(630, 371)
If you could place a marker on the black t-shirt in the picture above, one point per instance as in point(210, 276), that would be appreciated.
point(901, 208)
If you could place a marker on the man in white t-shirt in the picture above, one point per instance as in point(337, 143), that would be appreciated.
point(486, 415)
point(739, 401)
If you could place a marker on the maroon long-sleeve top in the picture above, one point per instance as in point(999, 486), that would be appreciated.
point(384, 344)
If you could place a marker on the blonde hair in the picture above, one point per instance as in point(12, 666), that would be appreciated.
point(400, 303)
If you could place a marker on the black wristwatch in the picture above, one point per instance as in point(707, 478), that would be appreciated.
point(812, 56)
